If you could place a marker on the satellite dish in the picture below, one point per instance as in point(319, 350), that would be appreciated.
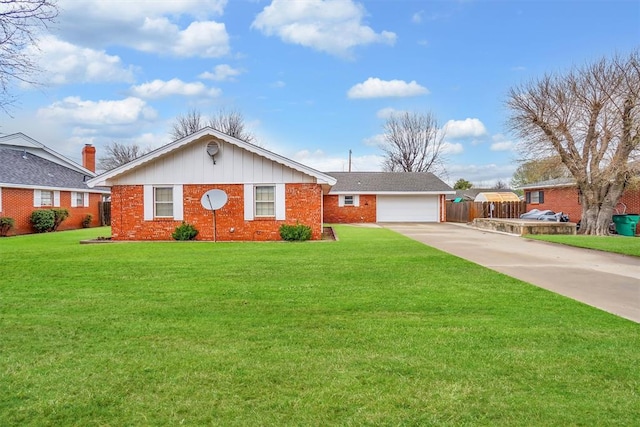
point(213, 148)
point(213, 200)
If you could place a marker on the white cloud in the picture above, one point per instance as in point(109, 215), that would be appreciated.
point(373, 87)
point(149, 26)
point(467, 128)
point(66, 63)
point(331, 163)
point(481, 175)
point(375, 140)
point(501, 143)
point(452, 148)
point(417, 17)
point(278, 84)
point(162, 89)
point(222, 72)
point(331, 26)
point(385, 113)
point(90, 113)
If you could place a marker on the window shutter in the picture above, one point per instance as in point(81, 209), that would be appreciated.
point(74, 196)
point(281, 211)
point(148, 202)
point(356, 200)
point(85, 198)
point(56, 199)
point(541, 196)
point(37, 199)
point(248, 202)
point(528, 197)
point(0, 199)
point(340, 201)
point(178, 206)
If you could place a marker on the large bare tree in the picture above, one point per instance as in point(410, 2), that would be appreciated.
point(412, 143)
point(20, 23)
point(590, 118)
point(117, 154)
point(230, 122)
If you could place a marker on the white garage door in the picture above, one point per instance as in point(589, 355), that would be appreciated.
point(407, 208)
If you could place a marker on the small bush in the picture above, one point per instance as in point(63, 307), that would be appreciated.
point(185, 232)
point(59, 215)
point(86, 221)
point(295, 233)
point(6, 224)
point(42, 220)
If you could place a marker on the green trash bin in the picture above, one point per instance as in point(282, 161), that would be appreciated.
point(626, 224)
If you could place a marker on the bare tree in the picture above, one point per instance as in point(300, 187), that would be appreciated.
point(590, 118)
point(117, 154)
point(230, 122)
point(412, 143)
point(20, 21)
point(539, 170)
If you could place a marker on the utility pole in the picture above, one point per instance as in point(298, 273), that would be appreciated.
point(349, 160)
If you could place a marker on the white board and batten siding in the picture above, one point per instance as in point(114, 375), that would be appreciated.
point(192, 165)
point(408, 208)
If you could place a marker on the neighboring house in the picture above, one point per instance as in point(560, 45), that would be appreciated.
point(497, 196)
point(561, 195)
point(152, 195)
point(32, 176)
point(470, 194)
point(361, 197)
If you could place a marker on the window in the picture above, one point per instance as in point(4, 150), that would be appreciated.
point(348, 200)
point(163, 201)
point(265, 201)
point(79, 199)
point(46, 198)
point(535, 197)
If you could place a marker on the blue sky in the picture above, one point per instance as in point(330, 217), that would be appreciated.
point(314, 79)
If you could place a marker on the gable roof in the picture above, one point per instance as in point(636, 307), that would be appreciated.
point(102, 179)
point(20, 141)
point(557, 182)
point(21, 169)
point(388, 183)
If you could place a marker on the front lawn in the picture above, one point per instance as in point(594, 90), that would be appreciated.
point(617, 244)
point(375, 329)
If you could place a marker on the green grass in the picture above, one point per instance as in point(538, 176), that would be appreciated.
point(617, 244)
point(375, 329)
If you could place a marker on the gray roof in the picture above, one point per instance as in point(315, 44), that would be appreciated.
point(387, 182)
point(21, 168)
point(557, 182)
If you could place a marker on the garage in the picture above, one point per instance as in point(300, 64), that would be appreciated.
point(407, 208)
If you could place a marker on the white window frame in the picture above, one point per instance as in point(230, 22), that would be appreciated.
point(150, 203)
point(342, 200)
point(166, 203)
point(279, 200)
point(271, 203)
point(79, 199)
point(37, 199)
point(0, 199)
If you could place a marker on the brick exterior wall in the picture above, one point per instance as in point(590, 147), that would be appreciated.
point(17, 203)
point(303, 204)
point(334, 214)
point(565, 199)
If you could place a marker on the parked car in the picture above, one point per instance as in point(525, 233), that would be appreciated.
point(545, 215)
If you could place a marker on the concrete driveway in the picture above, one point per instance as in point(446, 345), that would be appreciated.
point(607, 281)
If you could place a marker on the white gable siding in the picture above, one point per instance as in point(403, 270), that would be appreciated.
point(192, 165)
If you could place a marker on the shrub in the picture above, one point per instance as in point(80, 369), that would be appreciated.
point(86, 221)
point(42, 220)
point(185, 232)
point(6, 224)
point(298, 232)
point(59, 215)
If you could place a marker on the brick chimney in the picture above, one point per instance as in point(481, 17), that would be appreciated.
point(89, 157)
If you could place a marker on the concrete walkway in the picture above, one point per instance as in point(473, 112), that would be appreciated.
point(607, 281)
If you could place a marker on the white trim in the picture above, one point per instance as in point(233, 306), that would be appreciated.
point(148, 201)
point(41, 187)
point(392, 193)
point(37, 198)
point(56, 199)
point(281, 212)
point(85, 196)
point(104, 179)
point(0, 199)
point(74, 203)
point(356, 200)
point(248, 202)
point(341, 200)
point(178, 203)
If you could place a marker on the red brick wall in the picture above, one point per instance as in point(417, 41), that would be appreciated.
point(334, 214)
point(17, 203)
point(303, 205)
point(565, 199)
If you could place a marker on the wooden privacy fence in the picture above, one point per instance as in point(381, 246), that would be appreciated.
point(467, 211)
point(105, 213)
